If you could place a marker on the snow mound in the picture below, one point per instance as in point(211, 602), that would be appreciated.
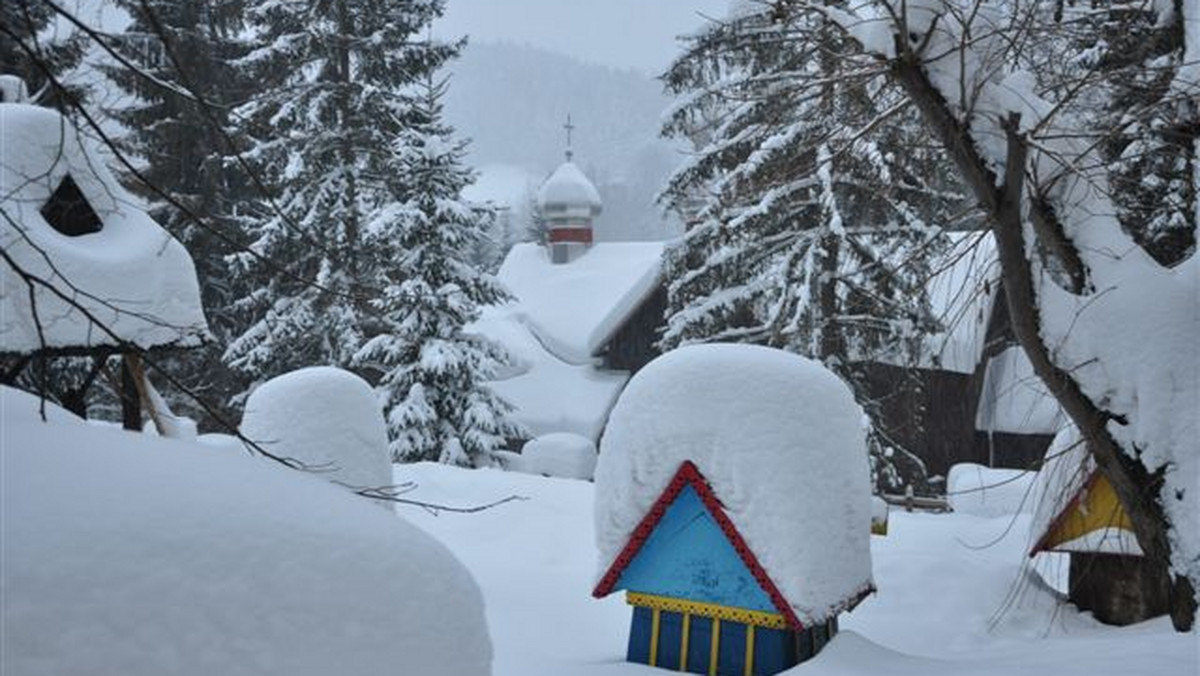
point(984, 491)
point(563, 455)
point(568, 186)
point(20, 405)
point(326, 418)
point(782, 443)
point(127, 554)
point(131, 276)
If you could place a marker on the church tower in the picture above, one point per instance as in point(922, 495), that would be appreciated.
point(569, 204)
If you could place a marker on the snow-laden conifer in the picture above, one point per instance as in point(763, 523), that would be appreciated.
point(812, 202)
point(335, 83)
point(433, 374)
point(180, 82)
point(40, 57)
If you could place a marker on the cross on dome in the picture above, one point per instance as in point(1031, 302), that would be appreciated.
point(570, 128)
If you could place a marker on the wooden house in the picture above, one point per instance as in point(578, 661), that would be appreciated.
point(88, 273)
point(704, 598)
point(970, 394)
point(1079, 514)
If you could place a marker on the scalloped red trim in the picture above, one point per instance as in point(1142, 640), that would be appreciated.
point(689, 475)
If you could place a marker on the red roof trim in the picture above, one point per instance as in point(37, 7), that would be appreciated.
point(1057, 521)
point(689, 475)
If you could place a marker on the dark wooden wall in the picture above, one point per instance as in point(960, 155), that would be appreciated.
point(635, 343)
point(932, 414)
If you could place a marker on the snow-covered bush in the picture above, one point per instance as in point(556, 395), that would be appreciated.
point(984, 491)
point(128, 554)
point(561, 454)
point(326, 418)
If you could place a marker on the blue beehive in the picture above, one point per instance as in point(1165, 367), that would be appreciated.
point(701, 601)
point(732, 507)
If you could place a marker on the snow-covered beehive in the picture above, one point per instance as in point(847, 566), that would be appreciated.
point(732, 497)
point(1077, 512)
point(102, 272)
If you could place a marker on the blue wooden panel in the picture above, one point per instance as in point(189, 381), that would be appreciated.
point(699, 643)
point(688, 557)
point(670, 640)
point(774, 650)
point(820, 637)
point(732, 657)
point(639, 636)
point(804, 645)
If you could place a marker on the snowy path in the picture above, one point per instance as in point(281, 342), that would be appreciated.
point(936, 612)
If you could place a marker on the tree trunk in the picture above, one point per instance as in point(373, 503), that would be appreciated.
point(1137, 488)
point(131, 403)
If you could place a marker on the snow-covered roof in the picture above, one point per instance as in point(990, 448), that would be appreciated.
point(129, 554)
point(131, 276)
point(780, 441)
point(561, 316)
point(574, 308)
point(961, 296)
point(569, 187)
point(326, 418)
point(1014, 399)
point(549, 394)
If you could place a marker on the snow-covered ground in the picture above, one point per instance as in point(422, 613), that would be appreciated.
point(952, 596)
point(128, 554)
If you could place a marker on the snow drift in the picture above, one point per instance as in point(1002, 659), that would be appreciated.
point(126, 554)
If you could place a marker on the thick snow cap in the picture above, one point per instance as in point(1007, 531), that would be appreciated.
point(569, 187)
point(128, 554)
point(326, 418)
point(131, 276)
point(781, 442)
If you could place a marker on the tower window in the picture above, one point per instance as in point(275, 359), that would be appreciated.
point(68, 211)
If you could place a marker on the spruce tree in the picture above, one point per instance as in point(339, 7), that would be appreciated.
point(178, 122)
point(29, 53)
point(811, 202)
point(433, 375)
point(335, 82)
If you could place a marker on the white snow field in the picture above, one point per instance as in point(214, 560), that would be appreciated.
point(133, 555)
point(953, 599)
point(130, 555)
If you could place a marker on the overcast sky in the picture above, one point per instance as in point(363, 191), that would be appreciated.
point(636, 34)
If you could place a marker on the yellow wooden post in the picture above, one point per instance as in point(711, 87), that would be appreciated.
point(654, 623)
point(749, 650)
point(714, 647)
point(683, 642)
